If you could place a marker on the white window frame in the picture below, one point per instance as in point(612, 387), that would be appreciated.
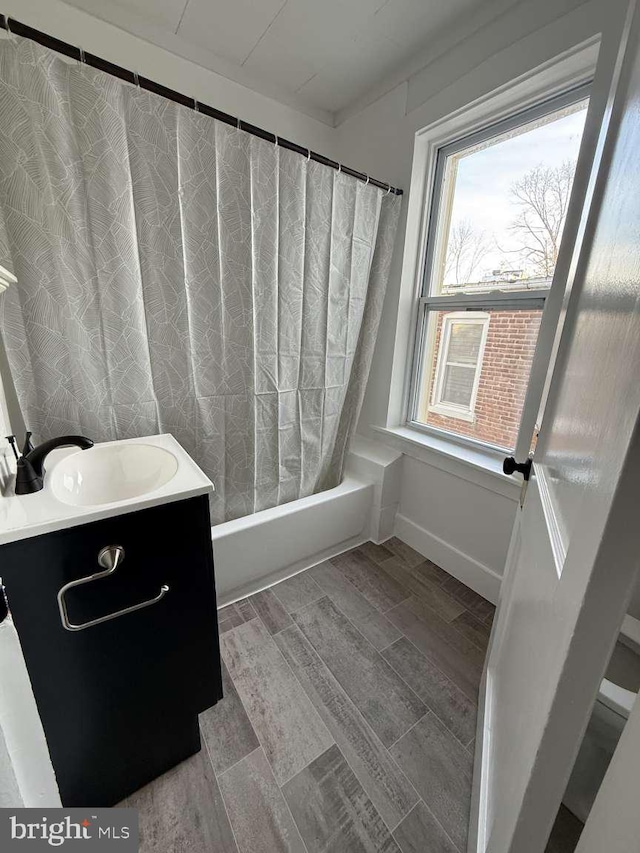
point(416, 404)
point(439, 406)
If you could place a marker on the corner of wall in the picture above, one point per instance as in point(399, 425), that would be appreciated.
point(375, 463)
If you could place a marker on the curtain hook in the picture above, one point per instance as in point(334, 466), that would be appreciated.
point(389, 190)
point(196, 106)
point(8, 22)
point(136, 79)
point(308, 154)
point(367, 181)
point(275, 141)
point(82, 60)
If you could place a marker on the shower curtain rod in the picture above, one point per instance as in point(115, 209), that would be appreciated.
point(16, 28)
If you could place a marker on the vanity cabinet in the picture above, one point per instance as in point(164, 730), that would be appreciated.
point(119, 700)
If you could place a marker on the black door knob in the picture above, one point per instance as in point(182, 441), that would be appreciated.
point(510, 466)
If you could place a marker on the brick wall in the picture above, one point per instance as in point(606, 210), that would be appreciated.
point(508, 354)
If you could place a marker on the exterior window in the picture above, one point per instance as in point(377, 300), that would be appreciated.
point(460, 348)
point(497, 212)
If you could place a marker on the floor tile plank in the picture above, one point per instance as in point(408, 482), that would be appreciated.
point(373, 624)
point(422, 581)
point(386, 785)
point(271, 611)
point(420, 832)
point(297, 592)
point(281, 713)
point(458, 658)
point(246, 610)
point(370, 580)
point(235, 614)
point(404, 551)
point(382, 697)
point(183, 810)
point(377, 553)
point(440, 768)
point(332, 810)
point(259, 815)
point(438, 692)
point(479, 606)
point(475, 630)
point(226, 728)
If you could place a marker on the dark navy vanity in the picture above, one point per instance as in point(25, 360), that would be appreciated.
point(117, 621)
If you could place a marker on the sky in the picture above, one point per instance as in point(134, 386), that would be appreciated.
point(482, 192)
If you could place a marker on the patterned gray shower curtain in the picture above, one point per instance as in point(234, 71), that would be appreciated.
point(178, 275)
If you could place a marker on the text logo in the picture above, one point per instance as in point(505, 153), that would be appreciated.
point(93, 829)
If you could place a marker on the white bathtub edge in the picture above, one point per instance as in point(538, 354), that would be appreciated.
point(260, 584)
point(257, 551)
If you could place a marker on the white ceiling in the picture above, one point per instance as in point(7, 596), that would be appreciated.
point(319, 55)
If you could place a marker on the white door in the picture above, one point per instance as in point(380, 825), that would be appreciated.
point(576, 547)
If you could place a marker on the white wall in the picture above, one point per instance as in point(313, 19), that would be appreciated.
point(105, 40)
point(463, 526)
point(444, 514)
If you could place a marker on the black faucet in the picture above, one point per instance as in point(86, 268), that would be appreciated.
point(30, 468)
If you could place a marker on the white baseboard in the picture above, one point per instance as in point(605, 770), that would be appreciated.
point(466, 569)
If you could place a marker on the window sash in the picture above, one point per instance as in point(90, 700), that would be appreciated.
point(501, 299)
point(572, 96)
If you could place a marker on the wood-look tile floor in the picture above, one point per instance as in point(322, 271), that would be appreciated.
point(348, 721)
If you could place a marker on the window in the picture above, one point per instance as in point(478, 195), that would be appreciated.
point(460, 348)
point(498, 208)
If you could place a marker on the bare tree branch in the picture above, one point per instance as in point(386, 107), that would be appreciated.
point(542, 195)
point(466, 249)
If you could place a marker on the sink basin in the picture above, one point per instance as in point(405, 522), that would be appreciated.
point(110, 473)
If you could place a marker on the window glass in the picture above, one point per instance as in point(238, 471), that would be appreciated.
point(503, 204)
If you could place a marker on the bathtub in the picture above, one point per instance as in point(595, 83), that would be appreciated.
point(256, 551)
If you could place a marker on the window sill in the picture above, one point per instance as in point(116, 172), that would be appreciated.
point(482, 467)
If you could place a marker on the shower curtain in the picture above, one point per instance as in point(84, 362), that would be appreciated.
point(178, 275)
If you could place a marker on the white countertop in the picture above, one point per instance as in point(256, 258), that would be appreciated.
point(24, 516)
